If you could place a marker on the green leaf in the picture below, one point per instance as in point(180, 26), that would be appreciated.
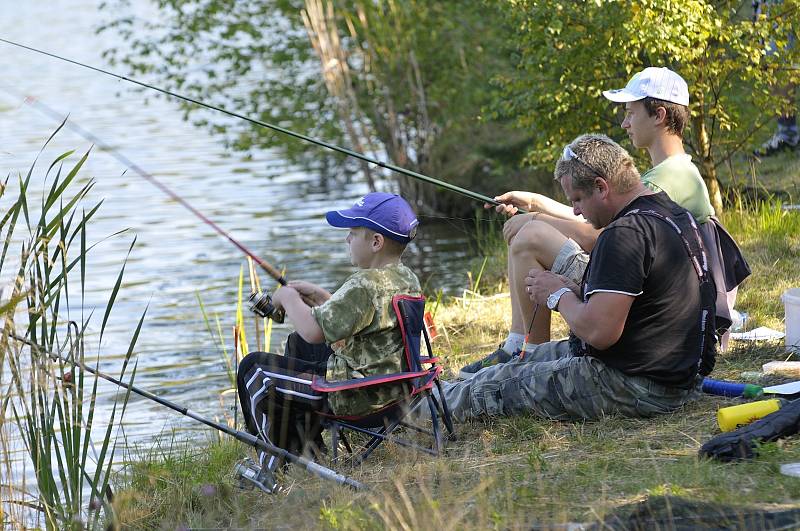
point(114, 292)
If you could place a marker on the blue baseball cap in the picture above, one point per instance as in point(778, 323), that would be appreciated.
point(388, 214)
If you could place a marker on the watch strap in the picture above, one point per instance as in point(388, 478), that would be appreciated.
point(556, 295)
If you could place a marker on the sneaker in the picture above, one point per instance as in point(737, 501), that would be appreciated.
point(495, 358)
point(777, 143)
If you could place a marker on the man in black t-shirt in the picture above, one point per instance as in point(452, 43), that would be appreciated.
point(639, 320)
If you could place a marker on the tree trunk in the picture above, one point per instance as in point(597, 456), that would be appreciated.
point(707, 167)
point(709, 173)
point(324, 37)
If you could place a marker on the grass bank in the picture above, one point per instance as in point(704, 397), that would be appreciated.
point(508, 472)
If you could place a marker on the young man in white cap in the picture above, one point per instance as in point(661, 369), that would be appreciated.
point(656, 113)
point(550, 237)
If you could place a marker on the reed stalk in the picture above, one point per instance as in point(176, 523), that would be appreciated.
point(53, 404)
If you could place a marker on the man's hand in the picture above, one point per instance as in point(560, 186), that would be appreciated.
point(311, 294)
point(576, 289)
point(511, 202)
point(540, 284)
point(600, 321)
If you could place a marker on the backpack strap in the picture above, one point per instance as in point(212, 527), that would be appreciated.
point(682, 222)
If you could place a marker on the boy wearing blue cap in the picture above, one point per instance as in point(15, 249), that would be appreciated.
point(358, 321)
point(351, 333)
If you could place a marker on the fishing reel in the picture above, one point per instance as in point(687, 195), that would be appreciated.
point(249, 476)
point(261, 305)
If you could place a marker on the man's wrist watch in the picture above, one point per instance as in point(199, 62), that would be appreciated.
point(552, 300)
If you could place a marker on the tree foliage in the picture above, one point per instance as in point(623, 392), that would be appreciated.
point(570, 51)
point(403, 80)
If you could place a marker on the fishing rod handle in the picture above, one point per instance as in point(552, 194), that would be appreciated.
point(327, 473)
point(312, 466)
point(271, 271)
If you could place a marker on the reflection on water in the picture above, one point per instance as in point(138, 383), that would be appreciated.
point(274, 209)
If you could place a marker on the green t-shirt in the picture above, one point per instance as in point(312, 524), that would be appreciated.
point(678, 177)
point(359, 323)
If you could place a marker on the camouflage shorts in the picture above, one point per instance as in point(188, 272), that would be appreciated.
point(549, 382)
point(571, 261)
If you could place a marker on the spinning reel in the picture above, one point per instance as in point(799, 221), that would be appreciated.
point(250, 475)
point(261, 305)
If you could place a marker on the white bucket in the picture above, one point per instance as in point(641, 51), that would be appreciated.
point(791, 304)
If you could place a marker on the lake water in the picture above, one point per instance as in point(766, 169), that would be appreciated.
point(274, 209)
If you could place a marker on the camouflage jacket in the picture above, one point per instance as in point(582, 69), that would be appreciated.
point(360, 325)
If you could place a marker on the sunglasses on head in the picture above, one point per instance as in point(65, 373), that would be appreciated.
point(568, 154)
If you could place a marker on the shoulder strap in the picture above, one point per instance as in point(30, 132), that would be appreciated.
point(692, 242)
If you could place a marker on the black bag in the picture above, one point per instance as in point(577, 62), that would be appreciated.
point(743, 443)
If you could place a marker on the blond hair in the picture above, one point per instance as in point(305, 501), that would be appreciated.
point(594, 155)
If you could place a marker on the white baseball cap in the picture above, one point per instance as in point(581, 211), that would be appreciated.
point(660, 83)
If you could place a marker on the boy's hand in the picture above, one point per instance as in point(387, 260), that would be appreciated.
point(311, 294)
point(281, 295)
point(289, 300)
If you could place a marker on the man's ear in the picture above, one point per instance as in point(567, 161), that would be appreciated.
point(602, 186)
point(378, 241)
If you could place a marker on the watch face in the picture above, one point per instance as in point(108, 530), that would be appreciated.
point(552, 300)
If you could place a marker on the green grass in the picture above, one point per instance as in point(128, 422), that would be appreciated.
point(770, 239)
point(512, 472)
point(198, 478)
point(777, 175)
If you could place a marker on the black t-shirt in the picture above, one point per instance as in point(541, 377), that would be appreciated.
point(642, 256)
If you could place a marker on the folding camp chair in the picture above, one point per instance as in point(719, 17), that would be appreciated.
point(270, 384)
point(420, 374)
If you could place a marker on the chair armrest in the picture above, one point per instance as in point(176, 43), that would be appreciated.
point(323, 386)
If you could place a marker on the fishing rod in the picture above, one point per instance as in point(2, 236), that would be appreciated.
point(49, 111)
point(252, 440)
point(322, 143)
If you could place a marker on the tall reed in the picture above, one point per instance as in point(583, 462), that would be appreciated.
point(54, 403)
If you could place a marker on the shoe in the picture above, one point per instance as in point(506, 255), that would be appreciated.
point(495, 358)
point(777, 143)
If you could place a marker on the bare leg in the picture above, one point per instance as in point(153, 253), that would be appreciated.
point(535, 247)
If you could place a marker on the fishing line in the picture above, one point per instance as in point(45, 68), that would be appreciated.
point(49, 111)
point(455, 218)
point(528, 335)
point(252, 440)
point(455, 223)
point(333, 147)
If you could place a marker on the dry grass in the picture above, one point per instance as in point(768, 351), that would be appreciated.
point(472, 326)
point(510, 473)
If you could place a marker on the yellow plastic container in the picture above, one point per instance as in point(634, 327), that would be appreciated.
point(730, 418)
